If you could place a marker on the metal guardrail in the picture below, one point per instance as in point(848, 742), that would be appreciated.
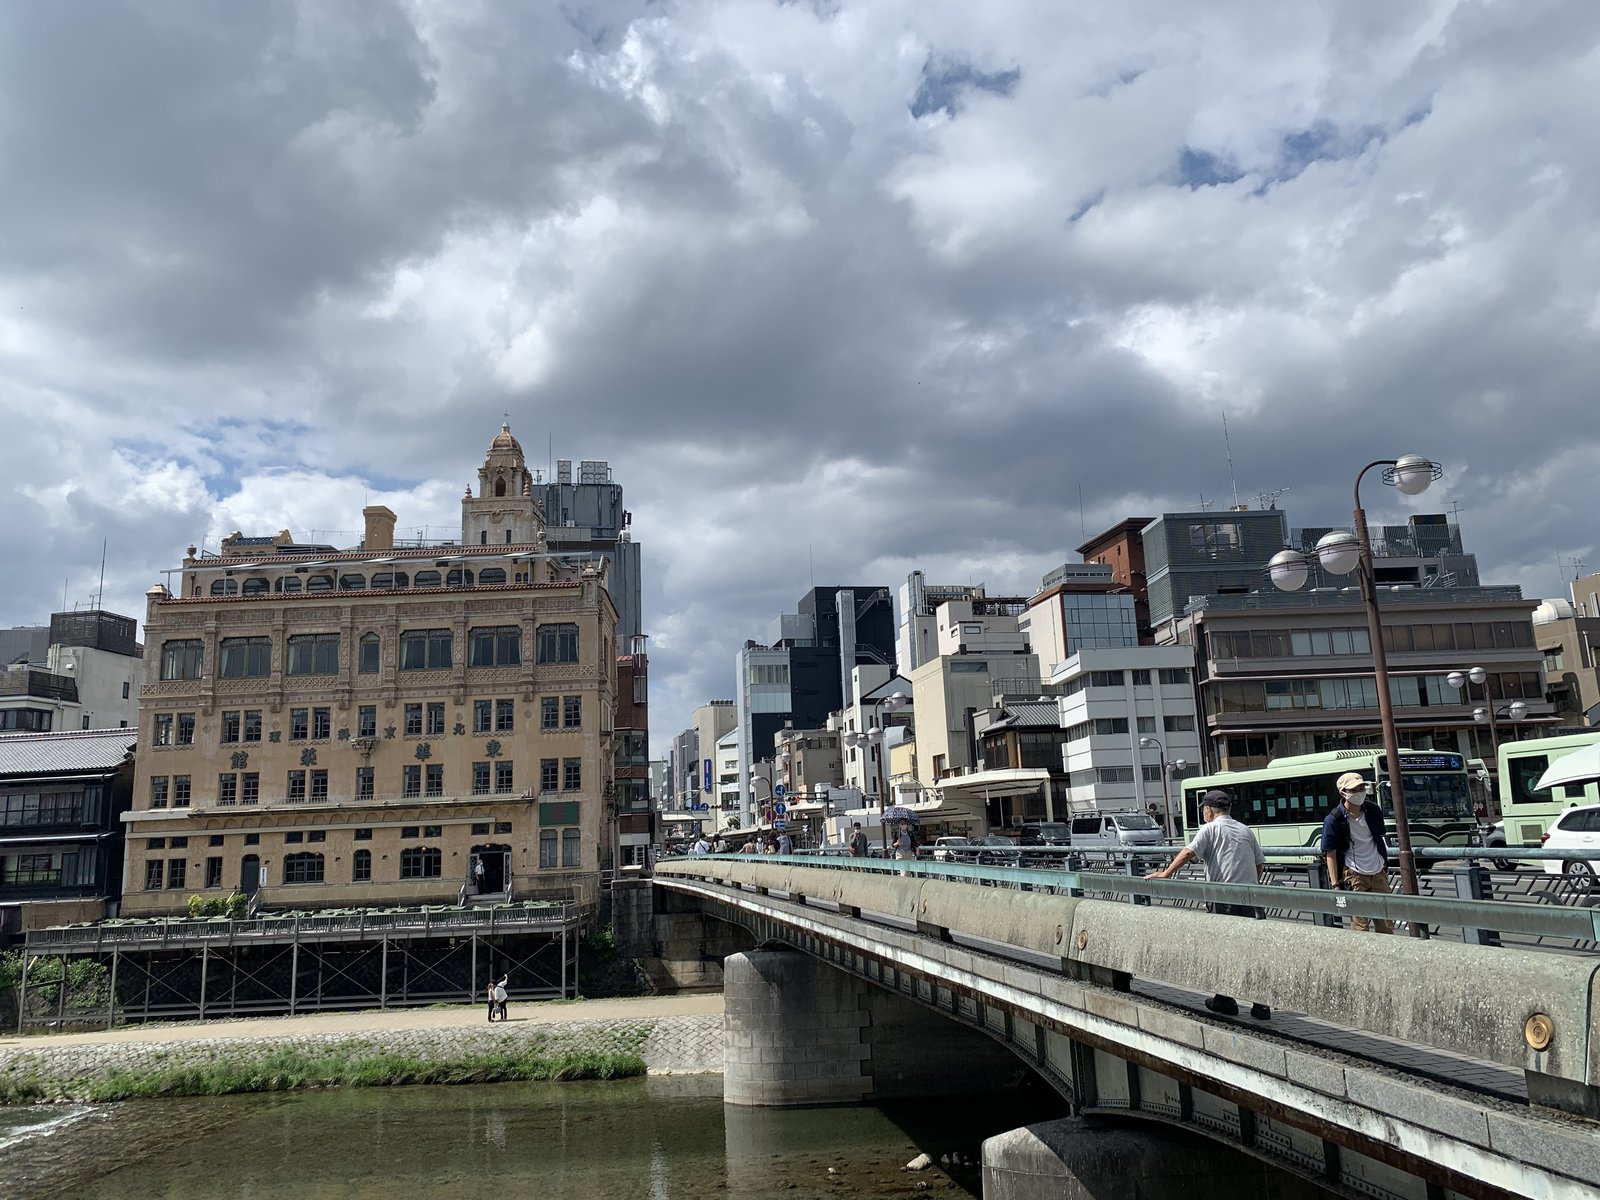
point(1480, 918)
point(360, 925)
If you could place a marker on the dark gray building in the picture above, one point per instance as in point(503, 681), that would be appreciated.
point(584, 513)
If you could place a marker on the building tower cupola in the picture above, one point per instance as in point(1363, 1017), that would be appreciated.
point(503, 510)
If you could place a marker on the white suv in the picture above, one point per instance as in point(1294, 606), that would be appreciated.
point(1577, 829)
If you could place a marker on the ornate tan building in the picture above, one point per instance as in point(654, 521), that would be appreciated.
point(372, 726)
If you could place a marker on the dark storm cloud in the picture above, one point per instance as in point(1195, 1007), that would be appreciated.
point(839, 290)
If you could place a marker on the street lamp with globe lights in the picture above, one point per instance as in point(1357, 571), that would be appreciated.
point(1339, 553)
point(878, 753)
point(1172, 770)
point(1485, 714)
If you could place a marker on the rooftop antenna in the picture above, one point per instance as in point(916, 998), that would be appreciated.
point(99, 596)
point(1082, 530)
point(1205, 505)
point(1227, 445)
point(1455, 511)
point(1269, 500)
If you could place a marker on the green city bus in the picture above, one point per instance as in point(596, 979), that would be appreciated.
point(1285, 801)
point(1528, 813)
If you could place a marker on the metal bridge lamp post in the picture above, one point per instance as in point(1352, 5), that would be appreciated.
point(879, 737)
point(1340, 553)
point(1485, 714)
point(1146, 743)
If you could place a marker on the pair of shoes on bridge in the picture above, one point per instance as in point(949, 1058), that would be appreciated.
point(1261, 1012)
point(1223, 1006)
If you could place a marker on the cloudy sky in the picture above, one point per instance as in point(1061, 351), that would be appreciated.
point(840, 289)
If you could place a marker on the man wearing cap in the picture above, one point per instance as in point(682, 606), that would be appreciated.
point(1356, 848)
point(1231, 854)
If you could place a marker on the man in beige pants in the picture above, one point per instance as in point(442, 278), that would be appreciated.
point(1355, 845)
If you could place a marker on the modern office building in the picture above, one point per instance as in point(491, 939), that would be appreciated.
point(638, 823)
point(916, 639)
point(1079, 606)
point(1569, 644)
point(584, 513)
point(62, 796)
point(357, 727)
point(1122, 549)
point(86, 677)
point(1190, 554)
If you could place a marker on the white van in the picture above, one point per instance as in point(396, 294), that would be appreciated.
point(1114, 830)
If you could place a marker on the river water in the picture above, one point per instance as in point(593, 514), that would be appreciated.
point(664, 1138)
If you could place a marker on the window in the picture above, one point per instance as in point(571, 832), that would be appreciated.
point(1110, 725)
point(547, 848)
point(314, 654)
point(365, 783)
point(297, 787)
point(558, 643)
point(256, 586)
point(1113, 775)
point(480, 829)
point(294, 837)
point(299, 724)
point(352, 583)
point(571, 848)
point(321, 724)
point(412, 780)
point(413, 721)
point(362, 835)
point(960, 666)
point(214, 871)
point(177, 871)
point(317, 835)
point(571, 712)
point(549, 774)
point(249, 787)
point(480, 778)
point(214, 840)
point(224, 587)
point(124, 689)
point(289, 583)
point(185, 729)
point(459, 577)
point(319, 583)
point(252, 839)
point(435, 720)
point(428, 579)
point(230, 726)
point(482, 716)
point(182, 659)
point(304, 867)
point(1173, 676)
point(432, 831)
point(435, 780)
point(180, 791)
point(252, 724)
point(155, 843)
point(1147, 724)
point(571, 774)
point(367, 721)
point(154, 872)
point(421, 862)
point(1101, 679)
point(410, 831)
point(245, 657)
point(386, 581)
point(1141, 678)
point(425, 649)
point(496, 646)
point(319, 785)
point(367, 653)
point(1178, 724)
point(505, 712)
point(361, 866)
point(549, 712)
point(502, 826)
point(163, 729)
point(503, 777)
point(227, 790)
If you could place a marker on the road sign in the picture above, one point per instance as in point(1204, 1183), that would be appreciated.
point(780, 791)
point(780, 808)
point(779, 823)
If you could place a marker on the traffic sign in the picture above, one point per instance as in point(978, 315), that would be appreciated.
point(780, 791)
point(779, 823)
point(780, 808)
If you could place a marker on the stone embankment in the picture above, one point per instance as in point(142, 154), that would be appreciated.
point(67, 1066)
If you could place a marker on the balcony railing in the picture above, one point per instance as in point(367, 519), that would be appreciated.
point(383, 798)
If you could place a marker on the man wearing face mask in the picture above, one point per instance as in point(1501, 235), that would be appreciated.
point(1355, 846)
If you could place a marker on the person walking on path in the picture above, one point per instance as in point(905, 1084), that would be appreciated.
point(1231, 854)
point(499, 995)
point(1355, 846)
point(858, 841)
point(477, 874)
point(700, 846)
point(785, 844)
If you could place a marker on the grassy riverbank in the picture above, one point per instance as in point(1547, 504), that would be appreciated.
point(292, 1069)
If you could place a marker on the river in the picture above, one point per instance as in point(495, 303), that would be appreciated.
point(663, 1138)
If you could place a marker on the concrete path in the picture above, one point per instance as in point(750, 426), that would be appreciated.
point(458, 1016)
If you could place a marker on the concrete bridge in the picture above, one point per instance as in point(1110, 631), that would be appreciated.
point(1391, 1067)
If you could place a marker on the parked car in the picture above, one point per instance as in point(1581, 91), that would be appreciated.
point(1576, 829)
point(1115, 830)
point(949, 849)
point(994, 850)
point(1045, 833)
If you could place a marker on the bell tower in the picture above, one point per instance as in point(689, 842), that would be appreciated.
point(504, 511)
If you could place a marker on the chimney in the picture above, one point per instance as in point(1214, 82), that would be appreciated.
point(380, 527)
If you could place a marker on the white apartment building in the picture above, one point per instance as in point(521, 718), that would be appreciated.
point(871, 685)
point(1110, 698)
point(89, 678)
point(916, 638)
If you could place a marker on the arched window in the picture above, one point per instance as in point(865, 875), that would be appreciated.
point(289, 583)
point(491, 575)
point(383, 581)
point(367, 657)
point(352, 583)
point(427, 579)
point(460, 577)
point(421, 862)
point(500, 487)
point(302, 868)
point(224, 587)
point(255, 587)
point(319, 583)
point(401, 579)
point(361, 866)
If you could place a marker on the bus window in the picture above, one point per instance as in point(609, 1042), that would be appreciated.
point(1525, 772)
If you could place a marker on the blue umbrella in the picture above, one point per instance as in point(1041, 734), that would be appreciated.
point(899, 812)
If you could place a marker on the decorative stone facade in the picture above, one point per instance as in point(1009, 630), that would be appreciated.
point(363, 727)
